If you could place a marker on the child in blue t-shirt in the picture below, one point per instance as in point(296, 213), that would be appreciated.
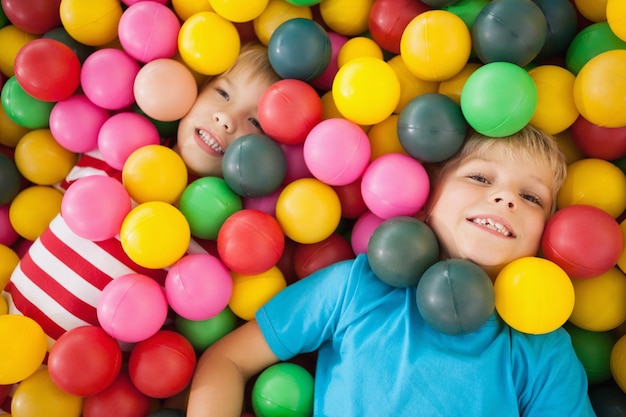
point(376, 356)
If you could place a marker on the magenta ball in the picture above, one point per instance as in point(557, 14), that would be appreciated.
point(148, 30)
point(395, 184)
point(107, 78)
point(124, 133)
point(94, 207)
point(362, 230)
point(337, 151)
point(75, 123)
point(324, 82)
point(296, 167)
point(132, 308)
point(198, 286)
point(266, 203)
point(8, 235)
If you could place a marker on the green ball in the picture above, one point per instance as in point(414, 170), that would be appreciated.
point(499, 99)
point(283, 390)
point(206, 203)
point(24, 109)
point(203, 333)
point(594, 352)
point(589, 42)
point(467, 10)
point(10, 180)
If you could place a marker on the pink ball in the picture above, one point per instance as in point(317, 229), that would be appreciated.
point(395, 184)
point(266, 203)
point(149, 30)
point(107, 78)
point(8, 235)
point(75, 123)
point(131, 2)
point(132, 308)
point(296, 167)
point(362, 231)
point(124, 133)
point(337, 151)
point(94, 207)
point(324, 82)
point(198, 286)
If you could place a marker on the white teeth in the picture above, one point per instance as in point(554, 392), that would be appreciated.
point(490, 224)
point(212, 143)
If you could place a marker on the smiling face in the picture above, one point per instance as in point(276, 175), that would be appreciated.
point(491, 208)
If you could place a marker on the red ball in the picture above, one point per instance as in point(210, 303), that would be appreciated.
point(162, 365)
point(389, 18)
point(583, 240)
point(84, 361)
point(250, 242)
point(33, 16)
point(120, 399)
point(593, 141)
point(47, 69)
point(288, 110)
point(308, 258)
point(352, 204)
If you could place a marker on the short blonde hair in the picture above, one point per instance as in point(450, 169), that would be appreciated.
point(254, 61)
point(529, 143)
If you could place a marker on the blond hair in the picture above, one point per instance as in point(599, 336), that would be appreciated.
point(529, 143)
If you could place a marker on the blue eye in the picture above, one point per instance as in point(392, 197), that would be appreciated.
point(222, 93)
point(532, 199)
point(256, 123)
point(478, 178)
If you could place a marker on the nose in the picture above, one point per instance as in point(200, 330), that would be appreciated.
point(506, 197)
point(223, 120)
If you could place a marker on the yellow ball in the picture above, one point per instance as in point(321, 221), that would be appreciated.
point(366, 90)
point(4, 307)
point(208, 43)
point(276, 13)
point(346, 17)
point(154, 173)
point(600, 301)
point(556, 110)
point(184, 9)
point(593, 10)
point(453, 86)
point(533, 295)
point(616, 17)
point(23, 346)
point(33, 209)
point(308, 210)
point(10, 132)
point(621, 262)
point(250, 292)
point(410, 85)
point(384, 139)
point(436, 45)
point(155, 234)
point(600, 88)
point(618, 362)
point(39, 396)
point(357, 47)
point(12, 39)
point(239, 10)
point(568, 147)
point(8, 261)
point(41, 160)
point(594, 182)
point(92, 23)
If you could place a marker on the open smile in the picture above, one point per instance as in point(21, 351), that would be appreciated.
point(491, 224)
point(210, 141)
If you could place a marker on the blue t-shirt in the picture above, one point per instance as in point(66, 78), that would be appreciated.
point(377, 356)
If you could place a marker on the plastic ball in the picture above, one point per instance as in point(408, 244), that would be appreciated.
point(208, 43)
point(467, 10)
point(395, 185)
point(621, 261)
point(75, 123)
point(616, 17)
point(198, 286)
point(94, 207)
point(561, 17)
point(337, 151)
point(410, 85)
point(618, 362)
point(362, 231)
point(275, 13)
point(431, 127)
point(84, 361)
point(556, 110)
point(162, 365)
point(82, 51)
point(288, 110)
point(299, 48)
point(388, 19)
point(154, 173)
point(23, 348)
point(239, 11)
point(24, 109)
point(251, 291)
point(346, 17)
point(352, 204)
point(266, 204)
point(206, 203)
point(149, 31)
point(590, 42)
point(37, 395)
point(308, 210)
point(366, 90)
point(435, 45)
point(8, 235)
point(34, 16)
point(599, 303)
point(33, 209)
point(8, 261)
point(296, 167)
point(284, 389)
point(357, 47)
point(155, 234)
point(10, 179)
point(94, 24)
point(309, 258)
point(10, 131)
point(608, 400)
point(324, 81)
point(599, 89)
point(593, 349)
point(121, 398)
point(107, 77)
point(203, 333)
point(401, 249)
point(132, 307)
point(594, 182)
point(12, 39)
point(593, 141)
point(250, 242)
point(124, 133)
point(534, 295)
point(384, 138)
point(452, 87)
point(165, 89)
point(499, 99)
point(47, 70)
point(41, 160)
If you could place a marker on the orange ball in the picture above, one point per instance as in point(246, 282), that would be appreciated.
point(41, 159)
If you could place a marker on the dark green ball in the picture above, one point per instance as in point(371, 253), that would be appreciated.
point(10, 180)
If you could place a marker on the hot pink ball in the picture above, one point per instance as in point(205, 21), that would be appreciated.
point(395, 184)
point(148, 30)
point(8, 235)
point(132, 308)
point(75, 123)
point(94, 207)
point(266, 203)
point(337, 151)
point(124, 133)
point(296, 167)
point(107, 78)
point(324, 82)
point(362, 231)
point(198, 286)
